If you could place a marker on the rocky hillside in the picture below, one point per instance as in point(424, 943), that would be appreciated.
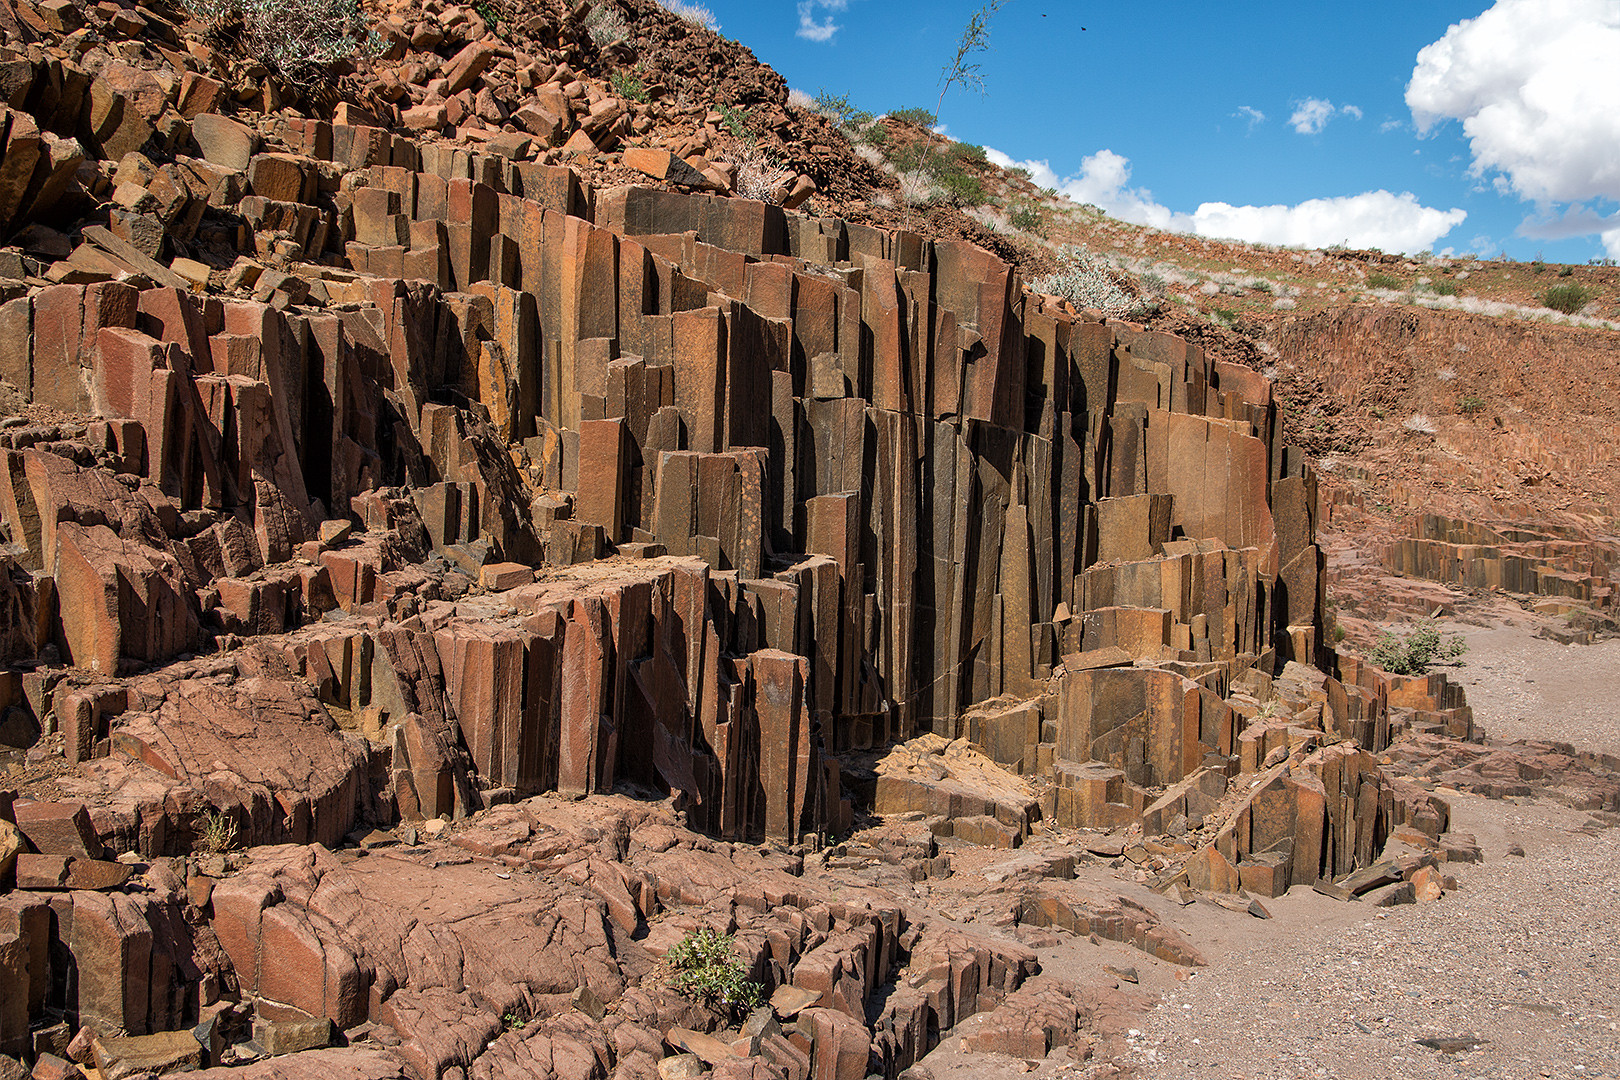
point(513, 566)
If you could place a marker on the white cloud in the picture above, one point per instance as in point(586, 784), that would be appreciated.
point(1371, 219)
point(1535, 84)
point(1578, 220)
point(1311, 116)
point(1252, 114)
point(823, 31)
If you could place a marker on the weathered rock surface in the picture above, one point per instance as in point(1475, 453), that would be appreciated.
point(529, 571)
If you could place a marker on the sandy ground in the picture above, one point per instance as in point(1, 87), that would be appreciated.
point(1524, 958)
point(1523, 687)
point(1521, 964)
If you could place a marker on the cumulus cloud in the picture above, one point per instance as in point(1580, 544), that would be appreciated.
point(1377, 219)
point(1371, 219)
point(822, 31)
point(1534, 83)
point(1312, 115)
point(1252, 114)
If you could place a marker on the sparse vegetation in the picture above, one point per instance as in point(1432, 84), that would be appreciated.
point(705, 969)
point(629, 86)
point(1415, 653)
point(300, 39)
point(736, 122)
point(605, 25)
point(759, 174)
point(1419, 423)
point(1086, 282)
point(1470, 405)
point(490, 14)
point(1568, 298)
point(961, 69)
point(839, 110)
point(216, 831)
point(1378, 280)
point(961, 187)
point(916, 117)
point(696, 14)
point(1027, 218)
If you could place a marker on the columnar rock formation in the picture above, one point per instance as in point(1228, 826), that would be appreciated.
point(478, 484)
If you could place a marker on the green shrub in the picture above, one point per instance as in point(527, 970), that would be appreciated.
point(1383, 281)
point(1415, 653)
point(1568, 298)
point(629, 87)
point(735, 120)
point(1027, 218)
point(488, 12)
point(968, 152)
point(1471, 405)
point(873, 134)
point(706, 970)
point(1445, 288)
point(916, 117)
point(838, 108)
point(962, 188)
point(1565, 271)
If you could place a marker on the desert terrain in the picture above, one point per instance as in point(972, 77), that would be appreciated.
point(527, 550)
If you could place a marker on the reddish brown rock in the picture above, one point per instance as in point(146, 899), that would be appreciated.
point(58, 828)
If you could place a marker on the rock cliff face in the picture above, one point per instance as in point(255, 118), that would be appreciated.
point(485, 484)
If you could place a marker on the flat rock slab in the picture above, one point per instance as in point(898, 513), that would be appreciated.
point(130, 1055)
point(338, 1064)
point(55, 872)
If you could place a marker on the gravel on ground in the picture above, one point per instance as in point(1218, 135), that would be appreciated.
point(1517, 973)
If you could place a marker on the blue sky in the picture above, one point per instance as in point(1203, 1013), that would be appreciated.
point(1303, 123)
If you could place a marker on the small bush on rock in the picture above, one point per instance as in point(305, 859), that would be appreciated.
point(696, 14)
point(1084, 281)
point(301, 39)
point(1417, 652)
point(706, 970)
point(216, 832)
point(759, 174)
point(605, 25)
point(916, 117)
